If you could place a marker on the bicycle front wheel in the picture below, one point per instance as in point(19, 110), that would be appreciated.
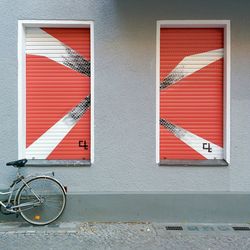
point(41, 200)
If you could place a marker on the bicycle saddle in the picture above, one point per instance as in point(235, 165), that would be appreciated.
point(18, 163)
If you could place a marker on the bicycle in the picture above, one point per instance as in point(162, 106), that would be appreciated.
point(39, 198)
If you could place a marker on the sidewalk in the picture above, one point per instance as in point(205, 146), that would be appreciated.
point(76, 235)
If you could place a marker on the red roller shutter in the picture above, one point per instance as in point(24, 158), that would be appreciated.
point(191, 93)
point(58, 93)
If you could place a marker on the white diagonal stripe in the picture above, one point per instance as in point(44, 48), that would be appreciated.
point(191, 64)
point(47, 142)
point(194, 141)
point(51, 138)
point(40, 43)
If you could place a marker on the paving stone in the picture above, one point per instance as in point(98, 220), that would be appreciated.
point(146, 236)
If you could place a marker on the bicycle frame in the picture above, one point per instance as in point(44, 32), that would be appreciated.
point(13, 191)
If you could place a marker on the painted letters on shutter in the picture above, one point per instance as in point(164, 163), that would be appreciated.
point(58, 93)
point(191, 93)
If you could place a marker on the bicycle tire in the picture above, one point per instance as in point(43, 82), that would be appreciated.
point(51, 194)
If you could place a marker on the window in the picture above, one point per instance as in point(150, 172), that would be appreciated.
point(55, 90)
point(193, 93)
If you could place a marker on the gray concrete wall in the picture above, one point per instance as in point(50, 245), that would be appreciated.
point(125, 58)
point(177, 207)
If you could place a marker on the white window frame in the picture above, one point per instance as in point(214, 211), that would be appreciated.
point(22, 24)
point(225, 24)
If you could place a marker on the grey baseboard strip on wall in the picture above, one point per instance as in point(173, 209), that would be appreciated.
point(178, 207)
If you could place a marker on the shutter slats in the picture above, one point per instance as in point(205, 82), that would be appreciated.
point(191, 96)
point(55, 92)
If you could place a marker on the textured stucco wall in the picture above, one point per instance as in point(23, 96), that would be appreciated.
point(125, 57)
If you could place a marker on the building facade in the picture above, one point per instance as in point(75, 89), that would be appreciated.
point(140, 107)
